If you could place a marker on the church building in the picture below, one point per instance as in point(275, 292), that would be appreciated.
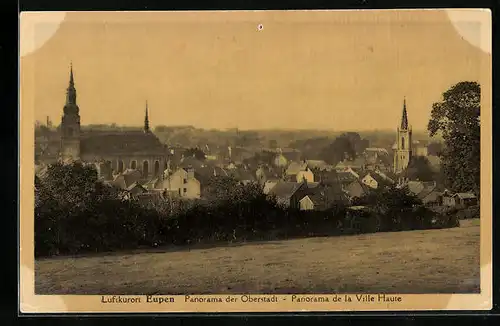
point(120, 150)
point(403, 145)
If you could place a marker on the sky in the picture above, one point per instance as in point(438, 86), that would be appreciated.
point(331, 70)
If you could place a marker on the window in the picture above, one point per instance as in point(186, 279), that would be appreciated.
point(157, 168)
point(133, 165)
point(185, 190)
point(145, 169)
point(402, 143)
point(120, 166)
point(185, 181)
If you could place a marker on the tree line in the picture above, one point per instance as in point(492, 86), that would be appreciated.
point(77, 213)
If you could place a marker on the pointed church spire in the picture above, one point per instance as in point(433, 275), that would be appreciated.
point(404, 119)
point(71, 80)
point(146, 119)
point(71, 91)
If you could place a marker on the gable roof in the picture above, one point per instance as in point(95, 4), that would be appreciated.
point(296, 167)
point(346, 177)
point(318, 164)
point(377, 150)
point(284, 189)
point(152, 184)
point(105, 142)
point(427, 190)
point(243, 174)
point(192, 162)
point(136, 185)
point(127, 178)
point(465, 195)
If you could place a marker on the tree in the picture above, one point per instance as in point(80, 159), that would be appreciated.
point(420, 169)
point(340, 149)
point(457, 119)
point(395, 208)
point(220, 188)
point(357, 142)
point(435, 148)
point(196, 153)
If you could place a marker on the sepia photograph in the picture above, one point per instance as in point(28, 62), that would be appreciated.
point(180, 156)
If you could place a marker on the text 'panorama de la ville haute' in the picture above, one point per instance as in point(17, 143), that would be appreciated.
point(343, 298)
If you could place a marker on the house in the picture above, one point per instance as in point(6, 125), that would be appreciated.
point(375, 180)
point(295, 167)
point(297, 172)
point(309, 203)
point(464, 200)
point(126, 178)
point(319, 165)
point(191, 162)
point(426, 191)
point(136, 189)
point(447, 199)
point(264, 173)
point(104, 170)
point(184, 182)
point(357, 164)
point(269, 184)
point(288, 193)
point(376, 151)
point(282, 159)
point(290, 154)
point(153, 184)
point(153, 197)
point(357, 189)
point(430, 197)
point(321, 197)
point(347, 176)
point(243, 175)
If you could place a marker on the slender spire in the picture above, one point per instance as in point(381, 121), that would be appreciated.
point(404, 119)
point(146, 119)
point(71, 80)
point(71, 91)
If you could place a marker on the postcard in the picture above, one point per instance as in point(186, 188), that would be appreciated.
point(255, 161)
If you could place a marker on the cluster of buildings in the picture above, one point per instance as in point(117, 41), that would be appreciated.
point(142, 167)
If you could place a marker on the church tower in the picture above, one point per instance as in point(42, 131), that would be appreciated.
point(403, 150)
point(70, 124)
point(146, 119)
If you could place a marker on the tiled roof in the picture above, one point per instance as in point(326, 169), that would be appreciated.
point(243, 174)
point(295, 168)
point(99, 143)
point(190, 161)
point(318, 164)
point(127, 178)
point(285, 189)
point(465, 195)
point(346, 177)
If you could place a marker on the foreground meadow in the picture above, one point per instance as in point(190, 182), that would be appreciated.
point(430, 261)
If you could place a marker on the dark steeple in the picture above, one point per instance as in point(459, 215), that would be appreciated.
point(71, 91)
point(146, 119)
point(404, 119)
point(70, 107)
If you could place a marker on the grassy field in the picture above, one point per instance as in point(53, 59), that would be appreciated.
point(431, 261)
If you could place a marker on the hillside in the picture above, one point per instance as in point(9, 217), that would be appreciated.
point(431, 261)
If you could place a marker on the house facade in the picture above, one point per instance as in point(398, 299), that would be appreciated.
point(184, 183)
